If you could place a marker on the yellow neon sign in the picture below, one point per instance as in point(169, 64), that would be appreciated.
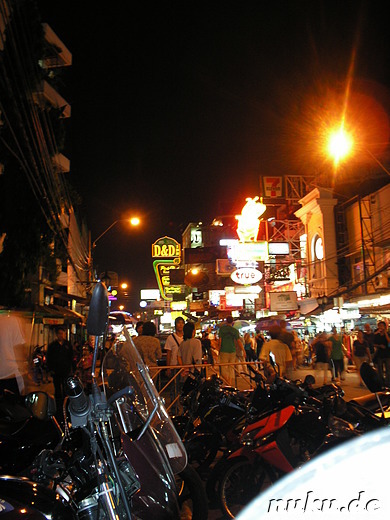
point(248, 221)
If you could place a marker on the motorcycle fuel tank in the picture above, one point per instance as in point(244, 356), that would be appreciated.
point(21, 498)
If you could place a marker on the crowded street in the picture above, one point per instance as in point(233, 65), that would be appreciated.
point(194, 259)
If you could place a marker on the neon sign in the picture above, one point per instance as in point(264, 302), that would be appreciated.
point(248, 221)
point(167, 252)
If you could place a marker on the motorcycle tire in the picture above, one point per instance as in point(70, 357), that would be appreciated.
point(241, 483)
point(213, 481)
point(202, 452)
point(192, 495)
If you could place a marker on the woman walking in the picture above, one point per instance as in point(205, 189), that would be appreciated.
point(337, 355)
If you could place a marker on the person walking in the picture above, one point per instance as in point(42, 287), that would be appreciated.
point(148, 345)
point(228, 337)
point(59, 360)
point(321, 349)
point(382, 352)
point(337, 355)
point(361, 353)
point(171, 347)
point(173, 342)
point(13, 354)
point(280, 350)
point(250, 353)
point(190, 350)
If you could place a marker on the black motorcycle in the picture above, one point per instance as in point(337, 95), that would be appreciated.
point(119, 456)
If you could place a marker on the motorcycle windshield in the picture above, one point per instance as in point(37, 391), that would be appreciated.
point(141, 408)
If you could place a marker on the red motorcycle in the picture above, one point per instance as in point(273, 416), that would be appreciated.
point(274, 445)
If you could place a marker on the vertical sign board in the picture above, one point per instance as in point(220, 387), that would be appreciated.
point(166, 253)
point(273, 187)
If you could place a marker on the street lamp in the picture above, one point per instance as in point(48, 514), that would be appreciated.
point(341, 144)
point(322, 302)
point(133, 221)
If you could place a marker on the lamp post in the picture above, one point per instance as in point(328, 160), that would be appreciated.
point(133, 221)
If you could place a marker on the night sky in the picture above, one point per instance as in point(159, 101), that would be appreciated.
point(178, 107)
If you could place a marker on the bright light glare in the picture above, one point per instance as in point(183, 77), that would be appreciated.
point(124, 285)
point(339, 145)
point(135, 221)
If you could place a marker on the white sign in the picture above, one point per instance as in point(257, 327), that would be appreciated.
point(283, 301)
point(150, 294)
point(246, 275)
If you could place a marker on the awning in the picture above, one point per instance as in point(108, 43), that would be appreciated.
point(56, 315)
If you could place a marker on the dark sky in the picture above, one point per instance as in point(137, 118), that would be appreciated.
point(179, 106)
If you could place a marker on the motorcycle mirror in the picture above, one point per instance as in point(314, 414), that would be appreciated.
point(41, 405)
point(371, 377)
point(98, 311)
point(309, 380)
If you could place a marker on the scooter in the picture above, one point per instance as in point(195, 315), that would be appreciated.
point(119, 456)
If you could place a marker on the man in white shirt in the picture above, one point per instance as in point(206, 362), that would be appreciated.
point(172, 345)
point(13, 354)
point(173, 341)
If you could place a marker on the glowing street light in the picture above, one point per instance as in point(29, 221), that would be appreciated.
point(340, 145)
point(133, 221)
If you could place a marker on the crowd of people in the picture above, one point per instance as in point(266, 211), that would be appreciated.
point(329, 354)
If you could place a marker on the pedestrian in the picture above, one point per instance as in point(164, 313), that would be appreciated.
point(321, 350)
point(172, 343)
point(288, 338)
point(206, 347)
point(190, 350)
point(280, 350)
point(369, 337)
point(361, 353)
point(138, 327)
point(240, 355)
point(13, 355)
point(171, 347)
point(381, 357)
point(59, 362)
point(259, 343)
point(148, 345)
point(338, 351)
point(228, 337)
point(250, 354)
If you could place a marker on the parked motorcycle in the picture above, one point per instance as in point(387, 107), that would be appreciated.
point(211, 419)
point(39, 366)
point(119, 453)
point(341, 480)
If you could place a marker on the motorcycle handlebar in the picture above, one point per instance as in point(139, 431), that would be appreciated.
point(79, 402)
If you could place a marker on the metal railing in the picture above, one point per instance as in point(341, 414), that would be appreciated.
point(167, 379)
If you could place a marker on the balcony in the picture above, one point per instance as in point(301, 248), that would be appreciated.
point(61, 163)
point(56, 55)
point(47, 94)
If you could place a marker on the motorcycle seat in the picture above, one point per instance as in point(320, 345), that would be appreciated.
point(370, 401)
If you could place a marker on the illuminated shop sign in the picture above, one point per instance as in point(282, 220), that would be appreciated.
point(196, 237)
point(166, 247)
point(248, 221)
point(278, 248)
point(239, 252)
point(150, 294)
point(167, 252)
point(246, 276)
